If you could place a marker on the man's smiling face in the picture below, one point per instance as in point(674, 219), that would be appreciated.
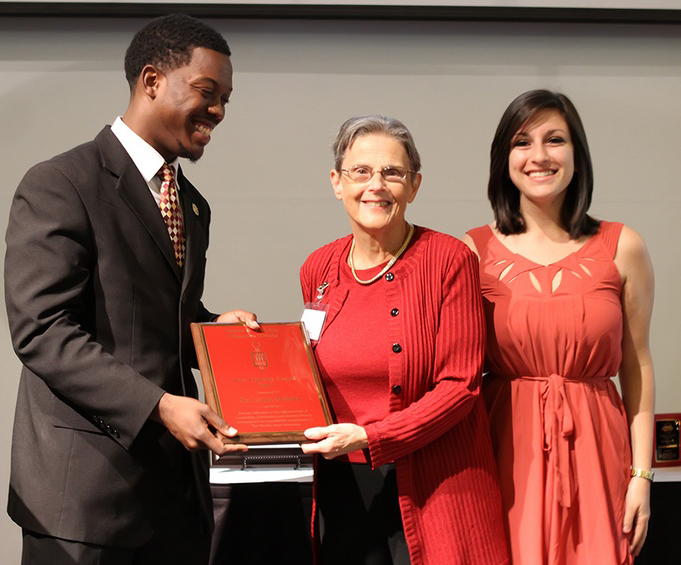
point(189, 103)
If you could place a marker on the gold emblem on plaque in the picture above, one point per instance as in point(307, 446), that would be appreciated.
point(259, 357)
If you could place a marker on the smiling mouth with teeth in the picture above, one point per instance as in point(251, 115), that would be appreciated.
point(541, 173)
point(374, 204)
point(205, 130)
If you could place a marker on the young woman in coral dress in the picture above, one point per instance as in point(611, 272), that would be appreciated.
point(568, 302)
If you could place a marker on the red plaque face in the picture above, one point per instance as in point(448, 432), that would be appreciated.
point(265, 384)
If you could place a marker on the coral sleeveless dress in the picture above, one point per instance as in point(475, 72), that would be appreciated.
point(559, 428)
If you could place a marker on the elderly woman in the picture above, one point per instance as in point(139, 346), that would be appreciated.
point(568, 301)
point(407, 473)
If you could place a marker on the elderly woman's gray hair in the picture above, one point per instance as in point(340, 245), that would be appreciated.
point(364, 125)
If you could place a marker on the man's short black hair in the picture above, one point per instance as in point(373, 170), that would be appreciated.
point(168, 42)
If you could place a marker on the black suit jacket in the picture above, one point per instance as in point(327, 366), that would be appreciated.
point(99, 315)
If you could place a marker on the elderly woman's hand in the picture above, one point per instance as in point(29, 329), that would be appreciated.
point(335, 440)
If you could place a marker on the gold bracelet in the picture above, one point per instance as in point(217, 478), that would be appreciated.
point(648, 475)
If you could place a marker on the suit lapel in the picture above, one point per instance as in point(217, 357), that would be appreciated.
point(190, 224)
point(136, 194)
point(195, 249)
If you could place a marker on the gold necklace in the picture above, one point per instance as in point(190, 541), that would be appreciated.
point(385, 269)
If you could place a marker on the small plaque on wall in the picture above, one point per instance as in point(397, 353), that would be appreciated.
point(667, 452)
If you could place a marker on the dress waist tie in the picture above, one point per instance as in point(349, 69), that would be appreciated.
point(558, 425)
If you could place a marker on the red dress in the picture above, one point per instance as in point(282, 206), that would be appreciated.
point(559, 428)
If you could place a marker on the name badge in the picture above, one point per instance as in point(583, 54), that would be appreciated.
point(315, 313)
point(313, 317)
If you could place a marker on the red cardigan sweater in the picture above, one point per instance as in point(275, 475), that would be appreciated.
point(437, 432)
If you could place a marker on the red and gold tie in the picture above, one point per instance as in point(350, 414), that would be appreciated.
point(170, 210)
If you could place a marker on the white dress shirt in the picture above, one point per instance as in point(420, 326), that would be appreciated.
point(147, 160)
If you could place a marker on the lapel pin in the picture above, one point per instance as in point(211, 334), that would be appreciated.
point(196, 209)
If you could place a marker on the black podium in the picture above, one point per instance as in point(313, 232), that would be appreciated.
point(262, 524)
point(262, 504)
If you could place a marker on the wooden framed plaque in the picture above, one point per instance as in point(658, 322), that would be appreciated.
point(666, 451)
point(265, 384)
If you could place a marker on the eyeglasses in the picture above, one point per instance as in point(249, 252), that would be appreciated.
point(360, 173)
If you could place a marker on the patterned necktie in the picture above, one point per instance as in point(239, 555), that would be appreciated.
point(170, 210)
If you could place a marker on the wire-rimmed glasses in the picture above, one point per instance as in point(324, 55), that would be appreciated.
point(361, 173)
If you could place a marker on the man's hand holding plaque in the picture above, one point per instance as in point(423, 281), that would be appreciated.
point(195, 425)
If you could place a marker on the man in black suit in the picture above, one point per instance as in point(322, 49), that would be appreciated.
point(109, 461)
